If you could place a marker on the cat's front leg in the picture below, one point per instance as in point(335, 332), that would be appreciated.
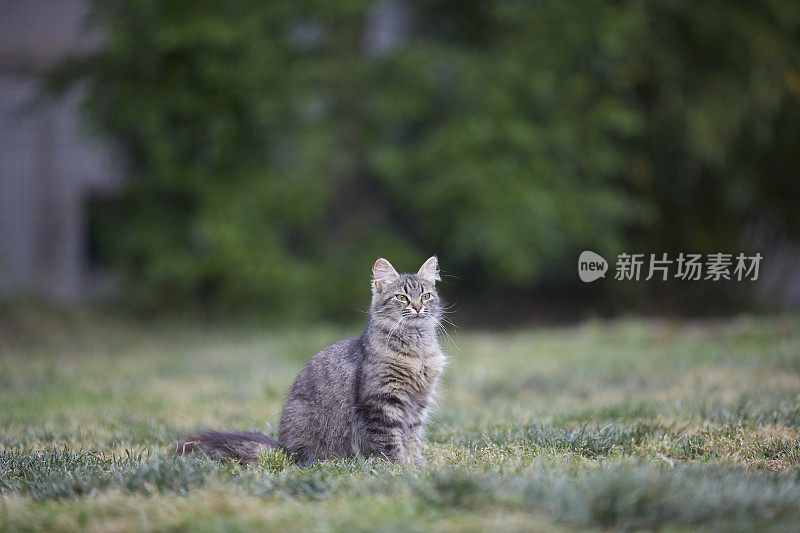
point(383, 431)
point(414, 441)
point(388, 443)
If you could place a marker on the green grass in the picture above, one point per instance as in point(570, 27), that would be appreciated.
point(623, 425)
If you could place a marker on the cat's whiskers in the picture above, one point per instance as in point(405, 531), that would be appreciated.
point(396, 325)
point(446, 308)
point(447, 320)
point(443, 330)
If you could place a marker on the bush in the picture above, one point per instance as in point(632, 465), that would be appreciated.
point(274, 154)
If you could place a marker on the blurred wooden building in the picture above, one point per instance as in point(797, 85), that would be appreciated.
point(50, 170)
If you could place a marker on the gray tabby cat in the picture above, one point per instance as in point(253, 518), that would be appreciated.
point(366, 395)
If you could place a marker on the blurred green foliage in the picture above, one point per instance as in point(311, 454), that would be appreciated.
point(274, 154)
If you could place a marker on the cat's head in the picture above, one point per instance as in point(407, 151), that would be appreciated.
point(410, 297)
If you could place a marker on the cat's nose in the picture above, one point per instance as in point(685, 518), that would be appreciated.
point(417, 306)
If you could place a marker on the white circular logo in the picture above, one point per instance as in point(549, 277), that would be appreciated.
point(591, 266)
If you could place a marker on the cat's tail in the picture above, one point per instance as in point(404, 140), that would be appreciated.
point(242, 447)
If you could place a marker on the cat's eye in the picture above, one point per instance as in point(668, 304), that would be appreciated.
point(401, 297)
point(426, 296)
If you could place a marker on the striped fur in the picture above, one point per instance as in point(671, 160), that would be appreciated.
point(243, 447)
point(367, 395)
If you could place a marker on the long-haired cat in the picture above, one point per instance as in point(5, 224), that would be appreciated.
point(366, 395)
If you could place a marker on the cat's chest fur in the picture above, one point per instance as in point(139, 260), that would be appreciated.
point(409, 374)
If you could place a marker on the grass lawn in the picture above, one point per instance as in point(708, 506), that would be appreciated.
point(624, 425)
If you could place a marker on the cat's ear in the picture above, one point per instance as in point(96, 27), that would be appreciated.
point(383, 273)
point(429, 271)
